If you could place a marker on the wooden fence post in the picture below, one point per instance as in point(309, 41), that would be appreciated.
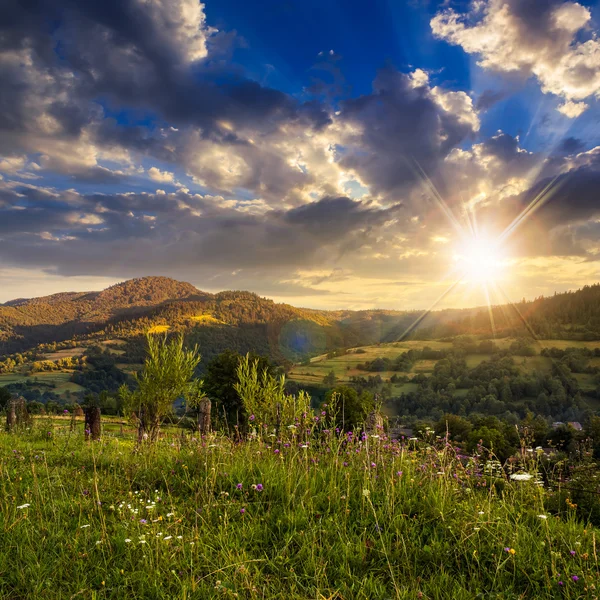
point(92, 423)
point(204, 416)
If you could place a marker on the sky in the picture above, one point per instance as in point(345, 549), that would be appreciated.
point(328, 154)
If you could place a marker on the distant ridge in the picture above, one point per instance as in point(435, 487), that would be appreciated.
point(245, 321)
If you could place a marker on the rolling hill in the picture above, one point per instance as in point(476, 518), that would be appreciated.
point(243, 320)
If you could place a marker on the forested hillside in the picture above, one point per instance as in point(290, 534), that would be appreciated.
point(244, 321)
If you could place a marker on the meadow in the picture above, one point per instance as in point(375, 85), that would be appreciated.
point(290, 516)
point(344, 367)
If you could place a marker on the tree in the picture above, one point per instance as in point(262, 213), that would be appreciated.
point(350, 409)
point(5, 397)
point(457, 427)
point(167, 375)
point(220, 381)
point(264, 397)
point(330, 379)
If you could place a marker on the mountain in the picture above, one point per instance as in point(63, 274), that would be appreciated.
point(245, 321)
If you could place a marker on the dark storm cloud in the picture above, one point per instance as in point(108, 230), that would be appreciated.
point(570, 145)
point(402, 125)
point(66, 55)
point(101, 234)
point(572, 197)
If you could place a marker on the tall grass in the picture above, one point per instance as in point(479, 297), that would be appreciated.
point(344, 517)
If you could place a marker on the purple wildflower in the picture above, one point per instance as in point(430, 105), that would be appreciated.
point(259, 487)
point(242, 511)
point(575, 578)
point(143, 521)
point(239, 486)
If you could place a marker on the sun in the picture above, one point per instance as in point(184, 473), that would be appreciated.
point(480, 260)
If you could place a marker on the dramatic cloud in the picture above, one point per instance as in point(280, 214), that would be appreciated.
point(402, 128)
point(546, 39)
point(132, 143)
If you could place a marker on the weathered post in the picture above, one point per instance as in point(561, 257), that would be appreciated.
point(11, 415)
point(92, 423)
point(374, 422)
point(17, 415)
point(278, 418)
point(204, 407)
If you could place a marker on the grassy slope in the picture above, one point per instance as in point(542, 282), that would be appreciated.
point(345, 366)
point(371, 521)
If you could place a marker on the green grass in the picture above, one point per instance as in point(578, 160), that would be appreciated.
point(66, 353)
point(370, 521)
point(49, 377)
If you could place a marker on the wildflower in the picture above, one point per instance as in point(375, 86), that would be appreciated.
point(23, 506)
point(572, 552)
point(399, 473)
point(179, 537)
point(373, 465)
point(242, 511)
point(142, 541)
point(521, 476)
point(276, 451)
point(143, 521)
point(561, 583)
point(127, 541)
point(575, 578)
point(259, 487)
point(366, 493)
point(304, 446)
point(84, 526)
point(543, 516)
point(98, 542)
point(167, 538)
point(170, 514)
point(251, 418)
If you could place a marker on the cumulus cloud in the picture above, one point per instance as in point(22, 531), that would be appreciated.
point(549, 40)
point(403, 126)
point(161, 176)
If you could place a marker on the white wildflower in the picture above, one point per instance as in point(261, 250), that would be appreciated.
point(23, 506)
point(521, 476)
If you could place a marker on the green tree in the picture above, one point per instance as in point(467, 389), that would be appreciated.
point(330, 379)
point(5, 396)
point(457, 427)
point(167, 375)
point(264, 396)
point(350, 409)
point(219, 385)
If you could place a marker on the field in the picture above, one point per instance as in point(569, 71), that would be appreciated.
point(58, 380)
point(344, 367)
point(50, 377)
point(66, 353)
point(264, 520)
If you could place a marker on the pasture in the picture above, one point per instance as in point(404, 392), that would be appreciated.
point(276, 519)
point(344, 367)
